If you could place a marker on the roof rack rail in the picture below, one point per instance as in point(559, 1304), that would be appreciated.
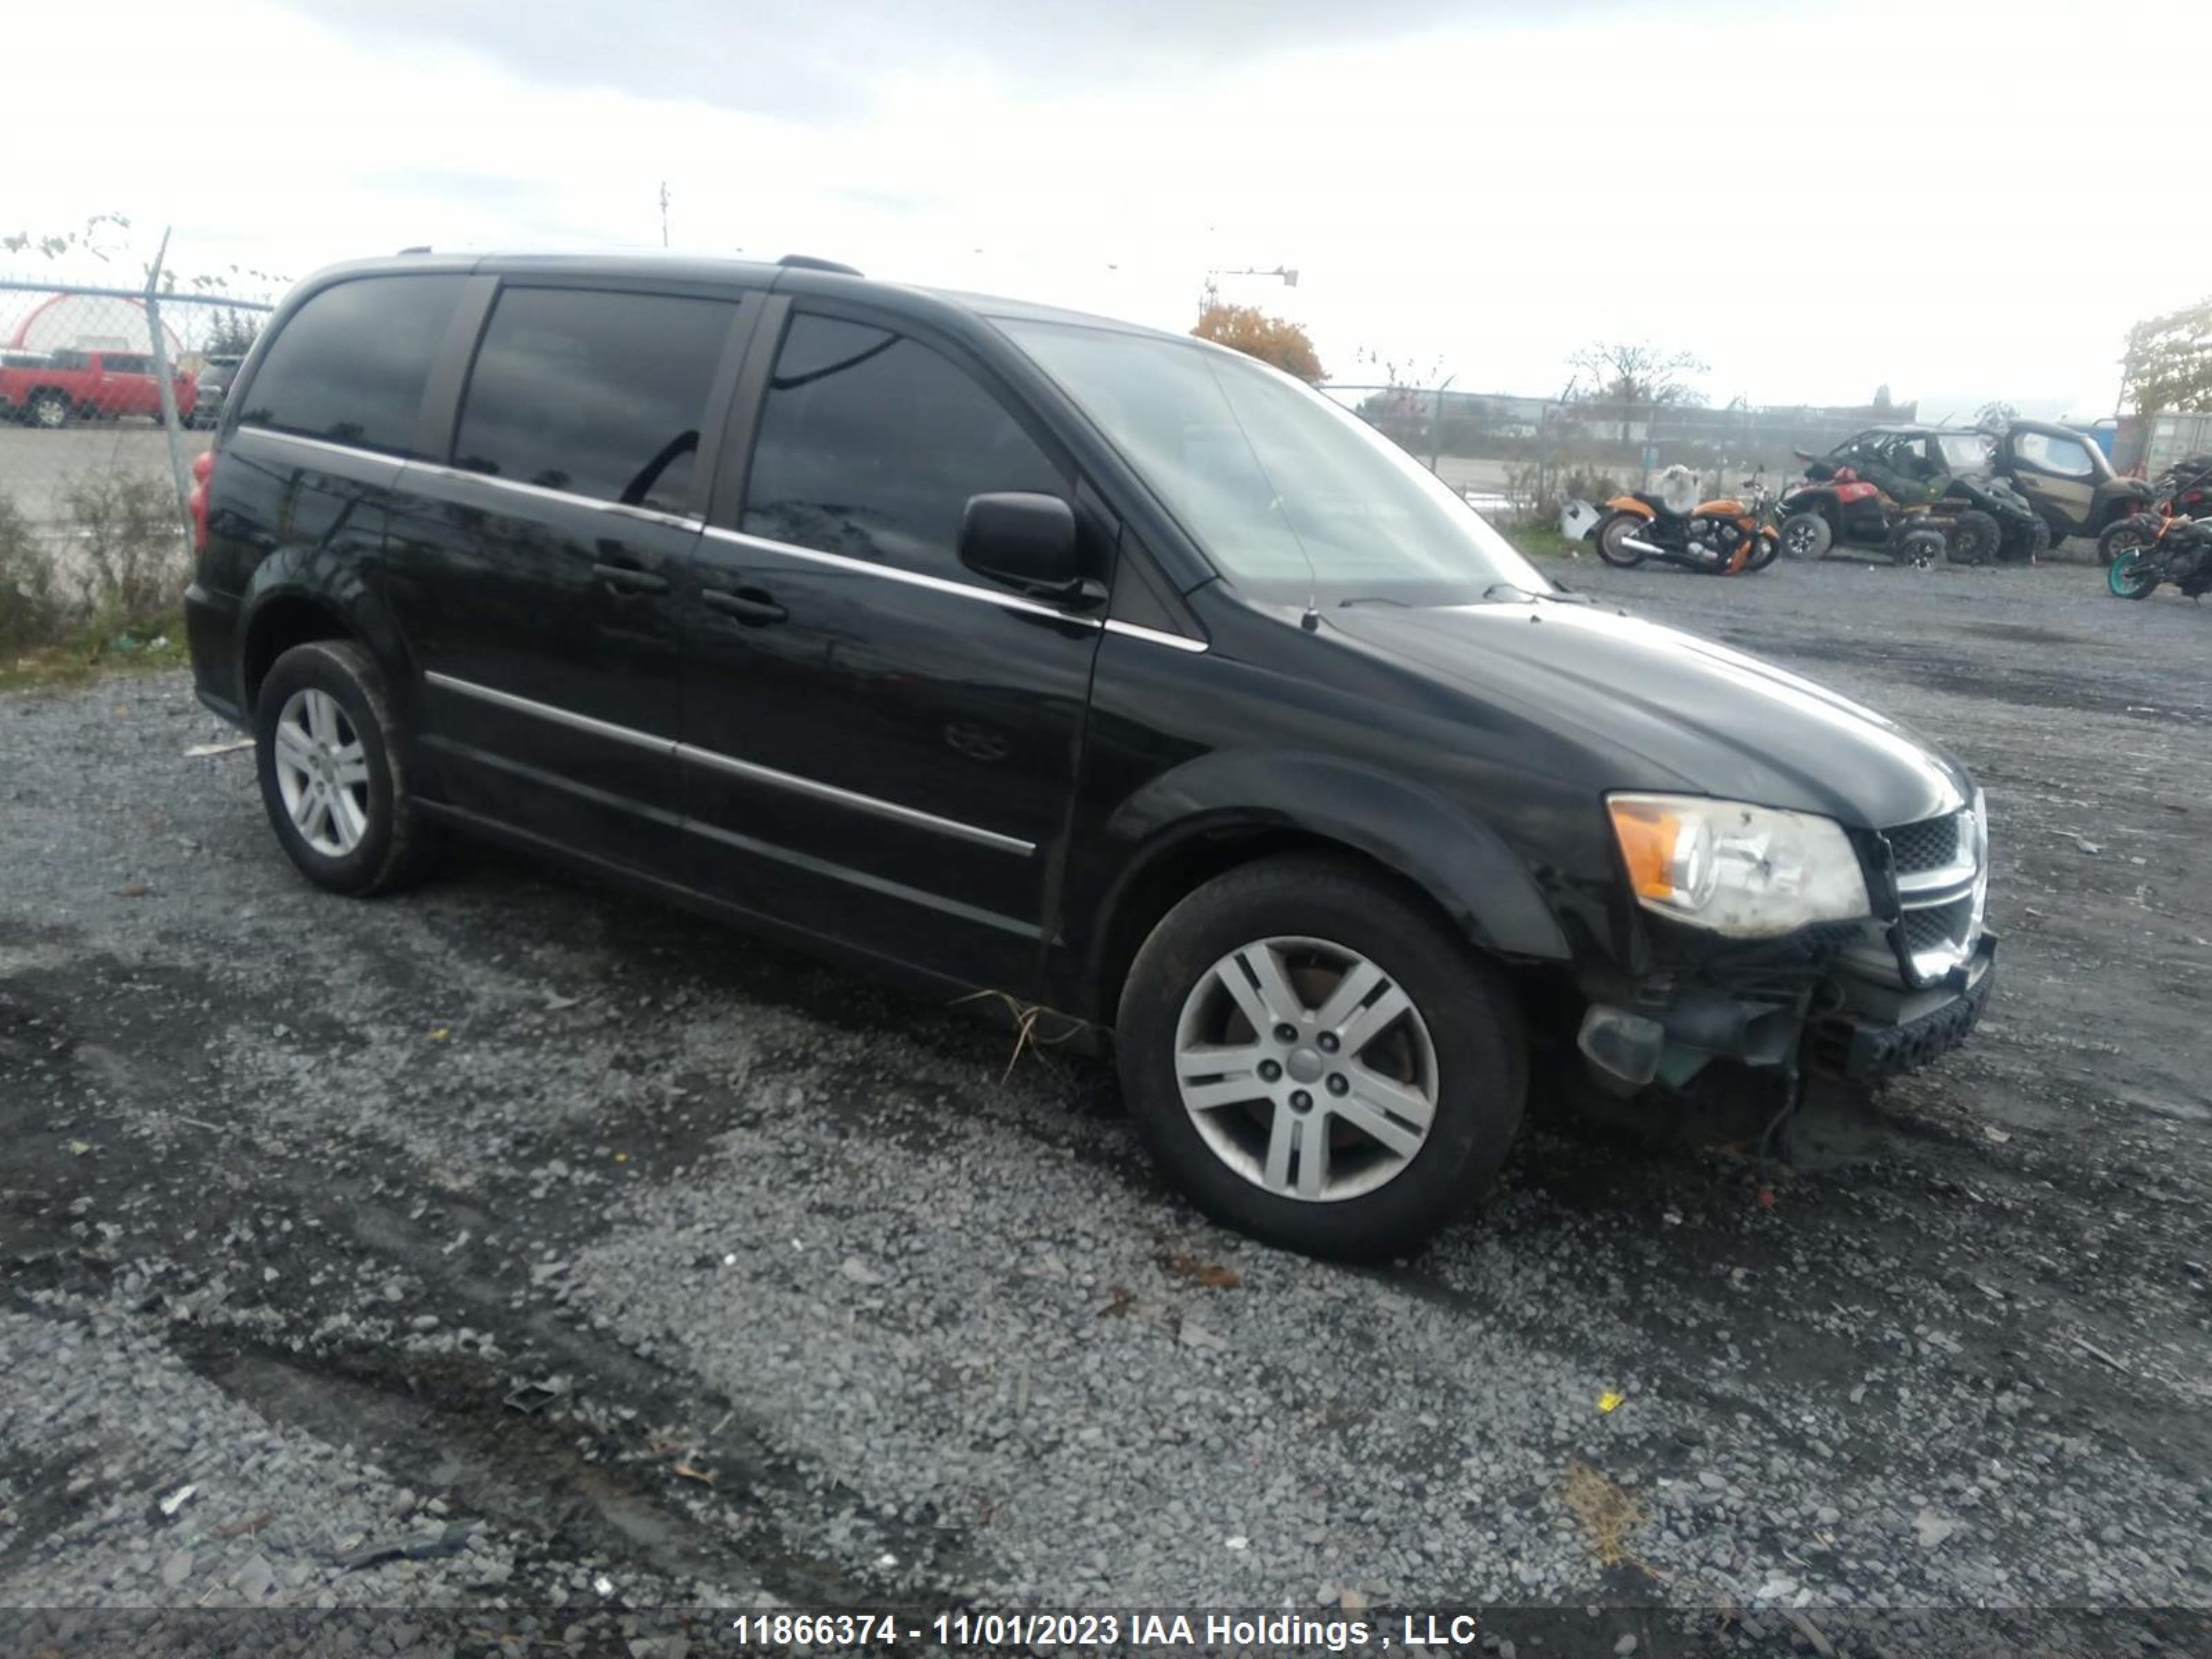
point(809, 262)
point(424, 248)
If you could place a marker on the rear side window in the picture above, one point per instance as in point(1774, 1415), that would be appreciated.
point(871, 443)
point(596, 394)
point(350, 364)
point(121, 362)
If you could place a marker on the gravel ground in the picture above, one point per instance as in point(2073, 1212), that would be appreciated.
point(528, 1252)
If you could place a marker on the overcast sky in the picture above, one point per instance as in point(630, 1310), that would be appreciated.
point(1961, 201)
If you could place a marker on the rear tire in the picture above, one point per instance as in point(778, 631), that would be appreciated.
point(1610, 532)
point(1808, 535)
point(1311, 926)
point(334, 772)
point(1975, 537)
point(2058, 531)
point(2121, 535)
point(49, 410)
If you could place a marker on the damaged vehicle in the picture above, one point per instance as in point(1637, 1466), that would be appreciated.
point(1104, 672)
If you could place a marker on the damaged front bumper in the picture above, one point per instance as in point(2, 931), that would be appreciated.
point(1848, 1025)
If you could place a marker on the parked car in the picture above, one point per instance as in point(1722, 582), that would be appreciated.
point(2068, 477)
point(212, 382)
point(1014, 650)
point(78, 385)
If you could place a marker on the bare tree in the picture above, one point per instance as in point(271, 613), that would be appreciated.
point(1635, 372)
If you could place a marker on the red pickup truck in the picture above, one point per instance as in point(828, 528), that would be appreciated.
point(48, 389)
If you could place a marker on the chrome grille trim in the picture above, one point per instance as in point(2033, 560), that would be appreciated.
point(1940, 892)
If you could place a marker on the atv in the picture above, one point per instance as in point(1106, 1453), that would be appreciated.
point(1913, 493)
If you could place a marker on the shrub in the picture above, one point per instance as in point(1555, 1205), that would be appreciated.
point(31, 612)
point(133, 548)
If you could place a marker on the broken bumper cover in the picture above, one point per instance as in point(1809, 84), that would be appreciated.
point(1881, 1032)
point(1872, 1030)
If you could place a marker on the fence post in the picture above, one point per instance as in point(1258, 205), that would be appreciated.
point(1543, 451)
point(166, 383)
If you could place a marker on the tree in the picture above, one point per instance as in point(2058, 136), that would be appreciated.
point(233, 334)
point(1273, 340)
point(2167, 369)
point(1635, 372)
point(1882, 406)
point(1995, 416)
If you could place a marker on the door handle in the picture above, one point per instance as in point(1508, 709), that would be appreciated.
point(628, 579)
point(747, 604)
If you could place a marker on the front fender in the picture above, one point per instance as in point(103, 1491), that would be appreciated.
point(1458, 860)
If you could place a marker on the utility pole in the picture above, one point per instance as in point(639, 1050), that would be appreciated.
point(663, 213)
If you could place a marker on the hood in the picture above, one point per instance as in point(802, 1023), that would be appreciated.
point(1675, 712)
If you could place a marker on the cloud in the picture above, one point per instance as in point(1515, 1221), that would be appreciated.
point(822, 64)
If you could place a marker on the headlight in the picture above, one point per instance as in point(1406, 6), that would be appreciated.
point(1747, 872)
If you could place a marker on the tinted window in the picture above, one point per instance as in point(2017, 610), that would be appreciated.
point(123, 362)
point(2067, 456)
point(67, 360)
point(350, 364)
point(871, 445)
point(600, 394)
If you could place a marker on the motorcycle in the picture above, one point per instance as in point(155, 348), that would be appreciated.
point(2178, 552)
point(1726, 536)
point(2183, 491)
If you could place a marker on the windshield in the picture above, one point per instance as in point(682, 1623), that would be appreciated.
point(1288, 494)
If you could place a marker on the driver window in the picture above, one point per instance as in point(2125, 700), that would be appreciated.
point(871, 444)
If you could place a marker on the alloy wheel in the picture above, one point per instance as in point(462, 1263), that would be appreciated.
point(322, 772)
point(1306, 1069)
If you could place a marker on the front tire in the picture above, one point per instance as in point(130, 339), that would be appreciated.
point(1314, 1059)
point(1975, 537)
point(1807, 536)
point(333, 770)
point(2128, 576)
point(1612, 533)
point(1767, 548)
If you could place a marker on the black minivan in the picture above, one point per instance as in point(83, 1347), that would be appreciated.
point(1021, 651)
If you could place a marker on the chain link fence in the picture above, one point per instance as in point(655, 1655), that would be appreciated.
point(106, 395)
point(1519, 459)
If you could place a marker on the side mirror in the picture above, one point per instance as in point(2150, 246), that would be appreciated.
point(1023, 541)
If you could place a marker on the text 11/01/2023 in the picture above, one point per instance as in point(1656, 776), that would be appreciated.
point(983, 1631)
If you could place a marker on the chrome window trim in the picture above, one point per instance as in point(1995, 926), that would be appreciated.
point(742, 539)
point(541, 492)
point(748, 770)
point(462, 475)
point(891, 573)
point(1153, 635)
point(350, 451)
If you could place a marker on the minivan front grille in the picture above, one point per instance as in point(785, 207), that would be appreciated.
point(1937, 926)
point(1937, 865)
point(1931, 844)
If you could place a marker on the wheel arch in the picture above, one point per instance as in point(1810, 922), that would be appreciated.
point(300, 595)
point(1447, 861)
